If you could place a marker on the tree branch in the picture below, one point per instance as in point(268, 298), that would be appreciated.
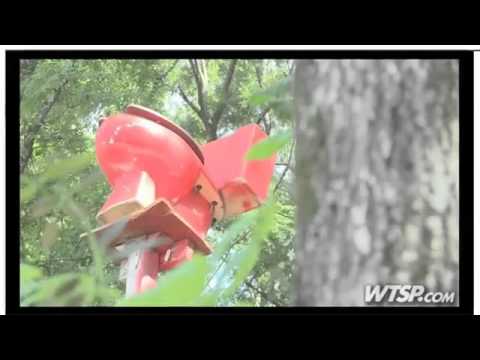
point(27, 147)
point(287, 167)
point(226, 93)
point(258, 73)
point(162, 78)
point(27, 69)
point(262, 116)
point(190, 102)
point(169, 70)
point(225, 256)
point(194, 67)
point(161, 81)
point(201, 93)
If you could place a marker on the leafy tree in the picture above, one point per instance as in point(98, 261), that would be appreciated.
point(62, 187)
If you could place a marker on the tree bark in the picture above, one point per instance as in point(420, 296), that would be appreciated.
point(376, 176)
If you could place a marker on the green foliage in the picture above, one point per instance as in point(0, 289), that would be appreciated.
point(278, 97)
point(244, 259)
point(268, 147)
point(187, 285)
point(62, 187)
point(184, 286)
point(62, 168)
point(179, 287)
point(67, 289)
point(273, 95)
point(28, 274)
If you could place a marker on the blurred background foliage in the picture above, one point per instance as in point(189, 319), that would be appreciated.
point(62, 187)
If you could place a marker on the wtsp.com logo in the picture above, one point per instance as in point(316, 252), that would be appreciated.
point(406, 294)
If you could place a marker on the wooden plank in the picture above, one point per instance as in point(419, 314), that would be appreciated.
point(158, 218)
point(133, 192)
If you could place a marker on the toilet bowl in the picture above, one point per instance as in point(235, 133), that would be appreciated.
point(164, 183)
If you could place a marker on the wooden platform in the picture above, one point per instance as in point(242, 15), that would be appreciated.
point(160, 217)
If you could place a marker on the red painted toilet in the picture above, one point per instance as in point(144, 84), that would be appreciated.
point(163, 182)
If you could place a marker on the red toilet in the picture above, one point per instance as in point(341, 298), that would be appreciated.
point(163, 182)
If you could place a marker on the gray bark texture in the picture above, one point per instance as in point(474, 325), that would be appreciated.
point(376, 176)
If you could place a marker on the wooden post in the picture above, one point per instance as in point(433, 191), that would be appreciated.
point(143, 258)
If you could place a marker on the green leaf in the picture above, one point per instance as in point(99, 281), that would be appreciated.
point(269, 146)
point(271, 94)
point(107, 295)
point(29, 273)
point(265, 220)
point(179, 287)
point(260, 98)
point(62, 290)
point(244, 260)
point(243, 223)
point(56, 171)
point(241, 263)
point(207, 299)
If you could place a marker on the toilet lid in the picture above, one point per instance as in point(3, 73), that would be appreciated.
point(159, 119)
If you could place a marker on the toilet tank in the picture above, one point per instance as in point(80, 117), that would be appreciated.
point(243, 183)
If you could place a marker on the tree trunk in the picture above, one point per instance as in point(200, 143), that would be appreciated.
point(377, 177)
